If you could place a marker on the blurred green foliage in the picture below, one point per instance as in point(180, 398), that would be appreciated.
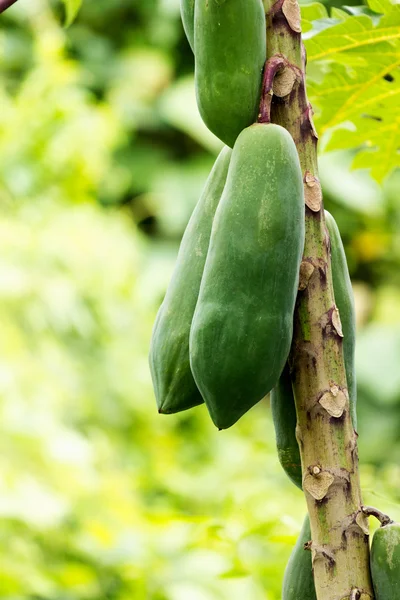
point(102, 157)
point(353, 55)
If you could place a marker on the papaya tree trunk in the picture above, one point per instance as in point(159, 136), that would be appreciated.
point(327, 440)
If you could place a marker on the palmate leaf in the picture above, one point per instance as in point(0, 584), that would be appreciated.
point(354, 81)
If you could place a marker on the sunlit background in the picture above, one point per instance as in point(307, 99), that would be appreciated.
point(102, 158)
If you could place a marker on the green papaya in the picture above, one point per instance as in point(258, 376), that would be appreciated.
point(285, 419)
point(298, 581)
point(187, 15)
point(282, 400)
point(173, 382)
point(385, 562)
point(344, 299)
point(243, 322)
point(230, 52)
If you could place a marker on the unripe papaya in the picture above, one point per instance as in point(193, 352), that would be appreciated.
point(243, 323)
point(385, 562)
point(173, 382)
point(230, 52)
point(344, 299)
point(187, 15)
point(298, 581)
point(282, 400)
point(285, 419)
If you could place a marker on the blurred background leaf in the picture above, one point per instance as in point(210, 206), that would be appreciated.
point(71, 10)
point(102, 158)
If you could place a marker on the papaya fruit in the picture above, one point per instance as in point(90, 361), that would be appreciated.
point(173, 382)
point(344, 299)
point(230, 52)
point(187, 15)
point(385, 562)
point(243, 323)
point(298, 581)
point(284, 416)
point(282, 401)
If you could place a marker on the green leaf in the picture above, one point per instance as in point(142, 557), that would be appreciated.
point(354, 86)
point(380, 6)
point(353, 34)
point(310, 13)
point(338, 13)
point(313, 11)
point(71, 10)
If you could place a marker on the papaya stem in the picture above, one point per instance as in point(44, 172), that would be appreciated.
point(4, 4)
point(278, 78)
point(327, 440)
point(271, 67)
point(371, 511)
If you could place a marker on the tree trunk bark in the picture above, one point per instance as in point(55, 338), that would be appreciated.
point(327, 440)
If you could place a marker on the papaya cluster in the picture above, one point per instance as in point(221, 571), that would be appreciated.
point(223, 332)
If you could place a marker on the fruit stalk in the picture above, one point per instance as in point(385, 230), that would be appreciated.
point(327, 440)
point(4, 4)
point(371, 511)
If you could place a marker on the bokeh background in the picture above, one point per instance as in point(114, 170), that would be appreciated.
point(102, 158)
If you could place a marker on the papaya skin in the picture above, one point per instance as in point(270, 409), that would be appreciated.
point(284, 417)
point(385, 562)
point(230, 52)
point(298, 581)
point(187, 15)
point(282, 401)
point(345, 302)
point(243, 323)
point(173, 382)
